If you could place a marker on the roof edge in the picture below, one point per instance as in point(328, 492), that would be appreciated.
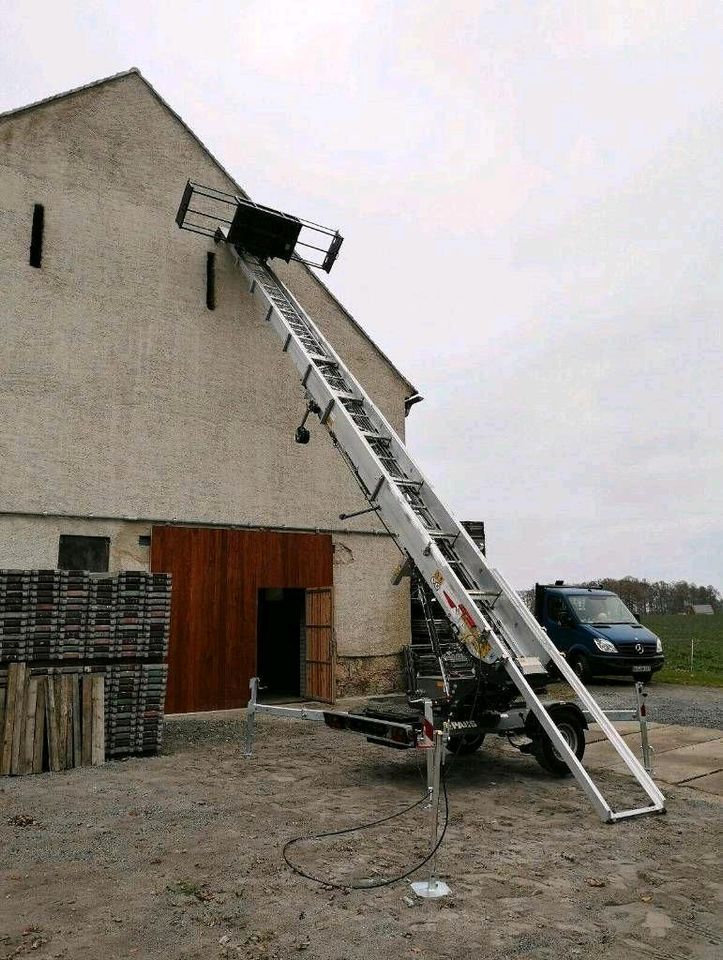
point(71, 92)
point(124, 74)
point(357, 326)
point(134, 71)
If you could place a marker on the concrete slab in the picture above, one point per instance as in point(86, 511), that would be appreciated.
point(602, 756)
point(692, 756)
point(676, 766)
point(662, 736)
point(625, 728)
point(666, 737)
point(712, 783)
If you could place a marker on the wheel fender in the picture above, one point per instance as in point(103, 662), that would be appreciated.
point(533, 726)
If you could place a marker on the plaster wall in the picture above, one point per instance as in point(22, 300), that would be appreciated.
point(363, 566)
point(123, 394)
point(31, 542)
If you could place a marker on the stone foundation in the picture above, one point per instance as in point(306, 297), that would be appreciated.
point(364, 676)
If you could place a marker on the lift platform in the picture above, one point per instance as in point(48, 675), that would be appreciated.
point(255, 230)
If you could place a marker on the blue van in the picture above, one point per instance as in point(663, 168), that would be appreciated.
point(597, 633)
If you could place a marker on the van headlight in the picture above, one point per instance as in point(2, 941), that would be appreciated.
point(658, 645)
point(606, 646)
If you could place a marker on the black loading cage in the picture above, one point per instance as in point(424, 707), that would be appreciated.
point(255, 229)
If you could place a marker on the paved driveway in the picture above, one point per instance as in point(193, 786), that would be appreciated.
point(686, 756)
point(666, 703)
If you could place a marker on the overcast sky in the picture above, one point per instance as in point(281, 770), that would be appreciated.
point(530, 193)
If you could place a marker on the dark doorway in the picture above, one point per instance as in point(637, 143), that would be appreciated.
point(279, 643)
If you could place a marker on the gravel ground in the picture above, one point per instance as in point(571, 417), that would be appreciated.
point(179, 857)
point(666, 702)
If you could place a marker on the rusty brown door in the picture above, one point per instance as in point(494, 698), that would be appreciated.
point(319, 644)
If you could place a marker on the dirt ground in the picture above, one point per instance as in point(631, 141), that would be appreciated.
point(180, 856)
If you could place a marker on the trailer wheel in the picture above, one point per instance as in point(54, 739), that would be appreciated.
point(465, 743)
point(572, 728)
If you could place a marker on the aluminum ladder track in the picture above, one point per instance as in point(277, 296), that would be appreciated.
point(486, 613)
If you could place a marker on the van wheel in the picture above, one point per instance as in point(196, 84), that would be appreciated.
point(572, 729)
point(581, 666)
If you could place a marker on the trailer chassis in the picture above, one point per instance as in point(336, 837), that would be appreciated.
point(518, 725)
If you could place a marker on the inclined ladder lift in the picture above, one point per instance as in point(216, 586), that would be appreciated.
point(486, 613)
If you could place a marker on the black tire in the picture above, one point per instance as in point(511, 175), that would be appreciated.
point(465, 743)
point(581, 665)
point(571, 726)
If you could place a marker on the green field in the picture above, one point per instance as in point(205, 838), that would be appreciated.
point(676, 632)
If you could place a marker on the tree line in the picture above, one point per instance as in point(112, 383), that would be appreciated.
point(652, 597)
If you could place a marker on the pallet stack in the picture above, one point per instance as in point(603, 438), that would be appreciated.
point(68, 630)
point(101, 619)
point(134, 724)
point(158, 615)
point(13, 615)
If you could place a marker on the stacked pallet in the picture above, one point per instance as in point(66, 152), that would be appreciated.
point(100, 643)
point(50, 720)
point(114, 628)
point(51, 615)
point(42, 614)
point(131, 624)
point(73, 614)
point(13, 615)
point(134, 722)
point(158, 615)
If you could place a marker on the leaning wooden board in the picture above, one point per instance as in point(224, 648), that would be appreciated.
point(51, 719)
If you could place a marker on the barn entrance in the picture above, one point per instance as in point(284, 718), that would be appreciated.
point(222, 583)
point(280, 642)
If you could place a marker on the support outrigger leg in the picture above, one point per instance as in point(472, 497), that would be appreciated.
point(433, 888)
point(251, 717)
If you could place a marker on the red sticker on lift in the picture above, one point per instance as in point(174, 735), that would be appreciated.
point(449, 600)
point(467, 618)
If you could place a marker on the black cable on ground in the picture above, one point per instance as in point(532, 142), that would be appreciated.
point(365, 826)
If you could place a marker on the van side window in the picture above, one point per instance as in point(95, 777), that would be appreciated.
point(557, 609)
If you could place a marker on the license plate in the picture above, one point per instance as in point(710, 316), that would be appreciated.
point(642, 669)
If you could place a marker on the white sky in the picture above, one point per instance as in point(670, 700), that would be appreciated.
point(530, 196)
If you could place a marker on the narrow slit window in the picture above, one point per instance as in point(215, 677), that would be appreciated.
point(36, 236)
point(211, 281)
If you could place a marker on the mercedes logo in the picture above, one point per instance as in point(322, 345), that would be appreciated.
point(639, 648)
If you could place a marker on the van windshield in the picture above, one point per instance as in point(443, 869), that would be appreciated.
point(592, 608)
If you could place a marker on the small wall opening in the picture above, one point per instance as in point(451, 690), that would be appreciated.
point(83, 553)
point(211, 281)
point(36, 235)
point(280, 647)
